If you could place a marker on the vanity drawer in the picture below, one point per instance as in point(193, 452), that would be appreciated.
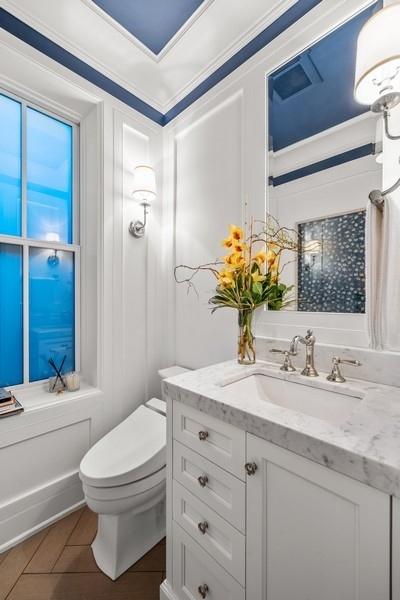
point(220, 490)
point(197, 575)
point(213, 533)
point(218, 441)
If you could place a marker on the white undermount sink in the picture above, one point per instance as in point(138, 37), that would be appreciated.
point(332, 406)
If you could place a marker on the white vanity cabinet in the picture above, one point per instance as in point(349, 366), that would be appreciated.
point(292, 530)
point(312, 533)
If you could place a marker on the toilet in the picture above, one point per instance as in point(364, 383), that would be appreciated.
point(123, 477)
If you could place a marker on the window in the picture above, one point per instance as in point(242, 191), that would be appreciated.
point(39, 255)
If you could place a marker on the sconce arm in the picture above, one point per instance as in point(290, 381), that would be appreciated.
point(377, 197)
point(137, 228)
point(386, 115)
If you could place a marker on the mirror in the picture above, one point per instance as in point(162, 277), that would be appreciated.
point(322, 163)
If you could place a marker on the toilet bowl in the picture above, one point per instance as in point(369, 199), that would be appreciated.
point(123, 477)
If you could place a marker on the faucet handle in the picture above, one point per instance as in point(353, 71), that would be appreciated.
point(335, 375)
point(287, 363)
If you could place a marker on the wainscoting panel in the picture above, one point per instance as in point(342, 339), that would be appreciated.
point(60, 453)
point(39, 469)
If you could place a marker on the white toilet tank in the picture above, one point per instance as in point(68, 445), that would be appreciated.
point(155, 403)
point(172, 371)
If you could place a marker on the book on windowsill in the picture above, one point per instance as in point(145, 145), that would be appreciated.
point(5, 396)
point(11, 409)
point(9, 402)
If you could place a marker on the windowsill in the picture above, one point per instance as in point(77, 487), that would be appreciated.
point(36, 397)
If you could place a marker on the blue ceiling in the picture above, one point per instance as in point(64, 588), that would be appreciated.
point(153, 22)
point(314, 91)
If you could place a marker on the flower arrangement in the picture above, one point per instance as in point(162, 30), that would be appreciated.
point(248, 276)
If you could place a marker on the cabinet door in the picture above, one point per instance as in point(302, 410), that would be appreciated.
point(312, 533)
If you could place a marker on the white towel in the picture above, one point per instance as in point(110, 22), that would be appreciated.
point(390, 280)
point(374, 239)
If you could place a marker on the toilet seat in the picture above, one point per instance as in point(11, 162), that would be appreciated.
point(127, 490)
point(132, 451)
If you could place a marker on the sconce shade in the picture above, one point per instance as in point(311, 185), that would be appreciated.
point(378, 56)
point(144, 186)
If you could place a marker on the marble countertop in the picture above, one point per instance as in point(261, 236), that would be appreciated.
point(364, 446)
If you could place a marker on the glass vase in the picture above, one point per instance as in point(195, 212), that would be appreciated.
point(246, 339)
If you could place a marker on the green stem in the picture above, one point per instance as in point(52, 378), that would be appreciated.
point(246, 350)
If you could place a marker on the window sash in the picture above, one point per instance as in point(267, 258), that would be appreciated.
point(27, 243)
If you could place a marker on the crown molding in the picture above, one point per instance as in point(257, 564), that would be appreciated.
point(134, 40)
point(14, 8)
point(241, 41)
point(175, 96)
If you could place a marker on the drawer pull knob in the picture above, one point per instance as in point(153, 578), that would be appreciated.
point(203, 590)
point(203, 435)
point(203, 526)
point(203, 480)
point(251, 468)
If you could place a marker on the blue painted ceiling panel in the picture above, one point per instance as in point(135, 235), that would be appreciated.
point(153, 22)
point(314, 91)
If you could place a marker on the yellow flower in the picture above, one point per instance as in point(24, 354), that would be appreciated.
point(239, 247)
point(257, 277)
point(234, 260)
point(237, 261)
point(260, 258)
point(273, 270)
point(226, 278)
point(226, 273)
point(236, 232)
point(270, 257)
point(227, 242)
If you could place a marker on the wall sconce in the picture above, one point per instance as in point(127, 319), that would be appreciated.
point(311, 250)
point(144, 190)
point(377, 80)
point(53, 258)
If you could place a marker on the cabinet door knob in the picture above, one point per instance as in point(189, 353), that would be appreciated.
point(251, 468)
point(203, 526)
point(203, 590)
point(203, 480)
point(203, 435)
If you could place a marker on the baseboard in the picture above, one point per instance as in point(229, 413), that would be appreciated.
point(166, 592)
point(27, 515)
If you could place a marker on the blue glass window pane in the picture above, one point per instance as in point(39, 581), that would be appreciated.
point(49, 177)
point(10, 166)
point(11, 328)
point(51, 311)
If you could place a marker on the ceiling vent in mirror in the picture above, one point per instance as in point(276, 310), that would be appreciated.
point(295, 77)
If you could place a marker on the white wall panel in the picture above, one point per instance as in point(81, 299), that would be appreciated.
point(208, 198)
point(134, 277)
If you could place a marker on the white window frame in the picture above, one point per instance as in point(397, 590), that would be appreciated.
point(26, 243)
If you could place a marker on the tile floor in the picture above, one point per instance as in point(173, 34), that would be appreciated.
point(57, 564)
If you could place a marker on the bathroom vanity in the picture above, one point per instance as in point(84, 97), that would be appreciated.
point(281, 486)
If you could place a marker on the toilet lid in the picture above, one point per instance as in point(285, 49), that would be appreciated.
point(131, 451)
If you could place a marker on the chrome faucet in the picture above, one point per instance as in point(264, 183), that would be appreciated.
point(309, 342)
